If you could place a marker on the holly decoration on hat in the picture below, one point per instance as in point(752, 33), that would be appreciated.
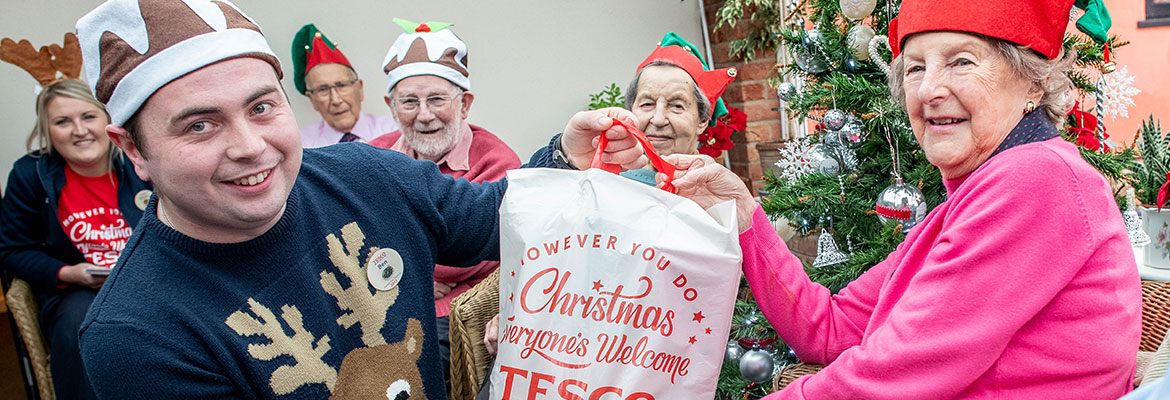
point(717, 138)
point(429, 26)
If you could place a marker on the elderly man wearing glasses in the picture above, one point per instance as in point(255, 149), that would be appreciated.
point(429, 94)
point(322, 73)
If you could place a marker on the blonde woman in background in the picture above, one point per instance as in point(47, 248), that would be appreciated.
point(69, 206)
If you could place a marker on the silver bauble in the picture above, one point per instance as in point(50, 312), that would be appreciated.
point(835, 119)
point(733, 353)
point(786, 91)
point(757, 366)
point(822, 159)
point(851, 132)
point(811, 64)
point(858, 38)
point(901, 204)
point(812, 37)
point(831, 138)
point(857, 9)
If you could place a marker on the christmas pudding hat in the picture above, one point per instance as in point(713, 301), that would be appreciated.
point(44, 65)
point(131, 48)
point(309, 49)
point(426, 49)
point(675, 50)
point(1036, 24)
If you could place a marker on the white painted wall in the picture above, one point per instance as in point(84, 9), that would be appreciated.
point(533, 63)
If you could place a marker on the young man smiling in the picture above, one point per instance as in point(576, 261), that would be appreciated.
point(261, 270)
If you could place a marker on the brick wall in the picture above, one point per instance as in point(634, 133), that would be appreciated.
point(751, 93)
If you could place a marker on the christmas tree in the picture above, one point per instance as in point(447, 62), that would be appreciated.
point(860, 180)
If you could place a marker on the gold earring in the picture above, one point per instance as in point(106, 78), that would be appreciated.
point(1029, 107)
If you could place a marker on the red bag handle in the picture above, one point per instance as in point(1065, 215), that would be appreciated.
point(651, 153)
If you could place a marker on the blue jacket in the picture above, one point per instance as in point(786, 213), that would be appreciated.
point(33, 246)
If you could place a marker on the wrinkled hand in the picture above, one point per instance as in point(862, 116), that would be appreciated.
point(491, 335)
point(581, 135)
point(76, 275)
point(442, 289)
point(701, 179)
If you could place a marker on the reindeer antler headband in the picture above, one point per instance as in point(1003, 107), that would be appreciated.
point(44, 65)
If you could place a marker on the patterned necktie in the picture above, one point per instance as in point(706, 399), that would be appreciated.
point(348, 137)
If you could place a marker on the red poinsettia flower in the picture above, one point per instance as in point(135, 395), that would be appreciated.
point(1085, 128)
point(716, 139)
point(735, 118)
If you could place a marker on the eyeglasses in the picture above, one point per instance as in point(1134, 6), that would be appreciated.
point(411, 104)
point(343, 88)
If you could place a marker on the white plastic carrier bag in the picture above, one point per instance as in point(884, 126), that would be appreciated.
point(611, 289)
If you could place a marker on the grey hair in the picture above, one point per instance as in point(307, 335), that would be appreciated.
point(704, 105)
point(1047, 75)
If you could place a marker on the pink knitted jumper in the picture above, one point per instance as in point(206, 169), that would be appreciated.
point(1022, 285)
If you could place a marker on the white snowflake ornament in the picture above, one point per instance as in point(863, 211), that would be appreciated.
point(1117, 90)
point(793, 163)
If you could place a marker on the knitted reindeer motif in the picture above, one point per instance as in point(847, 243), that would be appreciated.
point(308, 365)
point(44, 64)
point(381, 368)
point(359, 303)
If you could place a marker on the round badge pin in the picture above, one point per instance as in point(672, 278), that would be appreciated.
point(142, 198)
point(384, 269)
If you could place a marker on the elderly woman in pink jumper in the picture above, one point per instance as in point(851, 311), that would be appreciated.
point(1021, 285)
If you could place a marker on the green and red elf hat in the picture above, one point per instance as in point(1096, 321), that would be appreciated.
point(311, 48)
point(1036, 24)
point(676, 50)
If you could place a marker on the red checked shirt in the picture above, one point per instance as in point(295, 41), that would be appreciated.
point(88, 211)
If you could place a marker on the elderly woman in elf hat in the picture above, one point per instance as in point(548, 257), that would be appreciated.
point(1020, 285)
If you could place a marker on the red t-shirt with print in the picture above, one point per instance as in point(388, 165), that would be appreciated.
point(88, 211)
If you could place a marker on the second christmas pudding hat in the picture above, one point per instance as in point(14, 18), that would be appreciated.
point(131, 48)
point(426, 49)
point(1036, 24)
point(675, 50)
point(311, 48)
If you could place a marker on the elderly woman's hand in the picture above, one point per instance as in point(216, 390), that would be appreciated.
point(580, 138)
point(491, 335)
point(707, 183)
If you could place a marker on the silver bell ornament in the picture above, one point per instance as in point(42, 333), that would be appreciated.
point(858, 39)
point(1133, 222)
point(757, 365)
point(822, 159)
point(901, 204)
point(835, 119)
point(733, 353)
point(857, 9)
point(786, 91)
point(827, 251)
